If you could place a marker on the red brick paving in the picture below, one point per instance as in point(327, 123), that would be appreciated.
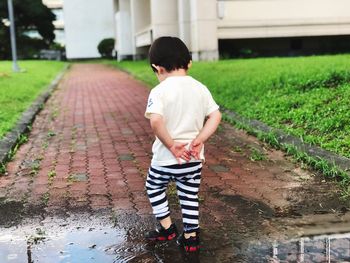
point(93, 129)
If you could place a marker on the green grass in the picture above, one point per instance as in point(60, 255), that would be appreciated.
point(304, 96)
point(19, 90)
point(257, 155)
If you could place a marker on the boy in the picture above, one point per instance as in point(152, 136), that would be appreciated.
point(177, 108)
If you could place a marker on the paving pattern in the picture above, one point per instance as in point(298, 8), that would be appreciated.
point(90, 147)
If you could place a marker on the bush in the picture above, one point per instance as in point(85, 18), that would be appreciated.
point(29, 48)
point(106, 47)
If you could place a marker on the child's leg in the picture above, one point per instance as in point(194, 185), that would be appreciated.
point(156, 184)
point(187, 183)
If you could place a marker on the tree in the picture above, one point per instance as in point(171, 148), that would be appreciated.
point(30, 15)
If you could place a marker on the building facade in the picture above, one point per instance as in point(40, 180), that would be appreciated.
point(194, 21)
point(87, 22)
point(208, 27)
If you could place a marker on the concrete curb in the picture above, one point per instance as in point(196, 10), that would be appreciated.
point(331, 158)
point(10, 140)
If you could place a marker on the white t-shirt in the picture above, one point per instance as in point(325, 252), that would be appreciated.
point(184, 103)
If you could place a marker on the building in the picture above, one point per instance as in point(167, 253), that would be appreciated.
point(56, 7)
point(194, 21)
point(87, 22)
point(288, 27)
point(209, 27)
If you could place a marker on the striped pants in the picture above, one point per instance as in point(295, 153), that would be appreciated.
point(187, 178)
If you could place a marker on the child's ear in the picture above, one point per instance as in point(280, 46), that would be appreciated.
point(189, 64)
point(158, 68)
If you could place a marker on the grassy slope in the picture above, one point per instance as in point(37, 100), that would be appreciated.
point(19, 90)
point(305, 96)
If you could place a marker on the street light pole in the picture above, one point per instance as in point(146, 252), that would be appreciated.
point(13, 36)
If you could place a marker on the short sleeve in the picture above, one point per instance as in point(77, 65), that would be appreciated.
point(154, 104)
point(211, 104)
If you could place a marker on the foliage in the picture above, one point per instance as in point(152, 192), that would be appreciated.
point(57, 46)
point(30, 15)
point(19, 90)
point(257, 155)
point(106, 47)
point(305, 96)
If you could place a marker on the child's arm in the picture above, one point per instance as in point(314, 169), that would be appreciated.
point(208, 129)
point(176, 148)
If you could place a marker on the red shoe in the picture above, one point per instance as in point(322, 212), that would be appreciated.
point(190, 244)
point(162, 234)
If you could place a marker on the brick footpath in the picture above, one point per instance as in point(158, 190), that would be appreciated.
point(90, 148)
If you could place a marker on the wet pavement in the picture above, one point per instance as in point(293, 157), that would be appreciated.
point(75, 191)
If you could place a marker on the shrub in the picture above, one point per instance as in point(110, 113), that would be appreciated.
point(106, 47)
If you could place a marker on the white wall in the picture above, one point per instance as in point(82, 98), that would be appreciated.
point(124, 34)
point(141, 14)
point(204, 41)
point(184, 11)
point(277, 18)
point(87, 22)
point(141, 23)
point(164, 16)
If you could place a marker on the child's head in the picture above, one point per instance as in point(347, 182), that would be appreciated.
point(169, 54)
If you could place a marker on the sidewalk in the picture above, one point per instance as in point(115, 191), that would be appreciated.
point(90, 148)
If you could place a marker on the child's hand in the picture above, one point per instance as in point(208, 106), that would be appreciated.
point(180, 152)
point(195, 148)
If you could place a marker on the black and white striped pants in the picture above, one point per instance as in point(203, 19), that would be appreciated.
point(187, 178)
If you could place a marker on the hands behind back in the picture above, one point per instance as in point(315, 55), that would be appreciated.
point(195, 148)
point(178, 149)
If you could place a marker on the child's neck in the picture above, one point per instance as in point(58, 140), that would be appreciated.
point(175, 73)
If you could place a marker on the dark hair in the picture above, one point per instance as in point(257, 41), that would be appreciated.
point(170, 53)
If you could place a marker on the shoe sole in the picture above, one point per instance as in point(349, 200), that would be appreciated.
point(188, 248)
point(191, 249)
point(168, 238)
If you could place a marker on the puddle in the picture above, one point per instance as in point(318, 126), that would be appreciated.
point(85, 238)
point(118, 238)
point(80, 245)
point(323, 248)
point(82, 239)
point(83, 245)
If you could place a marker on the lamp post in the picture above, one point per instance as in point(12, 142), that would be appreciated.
point(13, 37)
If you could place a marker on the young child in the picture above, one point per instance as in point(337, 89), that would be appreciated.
point(177, 109)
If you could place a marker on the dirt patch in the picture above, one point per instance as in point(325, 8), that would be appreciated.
point(248, 208)
point(13, 212)
point(315, 197)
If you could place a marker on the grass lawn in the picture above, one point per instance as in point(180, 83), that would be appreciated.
point(19, 90)
point(305, 96)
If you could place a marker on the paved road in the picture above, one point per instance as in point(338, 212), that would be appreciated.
point(90, 148)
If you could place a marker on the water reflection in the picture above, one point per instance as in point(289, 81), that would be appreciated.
point(322, 248)
point(107, 243)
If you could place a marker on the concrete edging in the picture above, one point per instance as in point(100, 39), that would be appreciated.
point(331, 158)
point(10, 140)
